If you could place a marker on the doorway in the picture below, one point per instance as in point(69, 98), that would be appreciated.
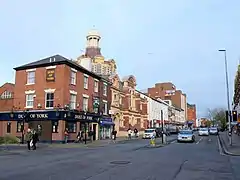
point(94, 131)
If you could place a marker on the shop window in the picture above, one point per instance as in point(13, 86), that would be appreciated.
point(73, 77)
point(29, 100)
point(49, 100)
point(19, 126)
point(55, 127)
point(9, 127)
point(71, 127)
point(31, 77)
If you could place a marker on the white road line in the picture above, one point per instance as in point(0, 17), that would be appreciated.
point(220, 148)
point(199, 140)
point(173, 141)
point(209, 140)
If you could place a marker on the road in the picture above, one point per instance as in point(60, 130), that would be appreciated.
point(129, 161)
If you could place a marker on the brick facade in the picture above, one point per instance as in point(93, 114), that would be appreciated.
point(67, 81)
point(6, 97)
point(192, 114)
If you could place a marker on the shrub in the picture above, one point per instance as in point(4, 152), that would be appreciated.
point(8, 139)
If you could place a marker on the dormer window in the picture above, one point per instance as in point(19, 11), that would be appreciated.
point(6, 95)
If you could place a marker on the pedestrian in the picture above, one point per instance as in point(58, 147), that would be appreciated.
point(114, 135)
point(136, 133)
point(28, 138)
point(35, 139)
point(66, 134)
point(129, 133)
point(79, 136)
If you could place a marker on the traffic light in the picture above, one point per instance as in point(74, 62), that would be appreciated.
point(234, 116)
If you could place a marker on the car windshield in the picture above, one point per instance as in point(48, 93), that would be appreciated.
point(214, 129)
point(203, 129)
point(149, 130)
point(185, 132)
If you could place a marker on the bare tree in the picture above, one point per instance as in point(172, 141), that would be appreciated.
point(217, 116)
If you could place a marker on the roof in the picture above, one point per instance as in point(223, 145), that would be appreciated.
point(7, 83)
point(56, 60)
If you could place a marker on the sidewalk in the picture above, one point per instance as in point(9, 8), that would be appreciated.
point(230, 150)
point(98, 143)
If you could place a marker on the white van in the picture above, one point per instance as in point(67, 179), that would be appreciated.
point(149, 133)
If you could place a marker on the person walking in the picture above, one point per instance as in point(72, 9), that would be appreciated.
point(66, 134)
point(28, 138)
point(136, 133)
point(34, 139)
point(129, 134)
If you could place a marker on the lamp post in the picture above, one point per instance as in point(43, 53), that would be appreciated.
point(228, 100)
point(85, 127)
point(25, 118)
point(162, 126)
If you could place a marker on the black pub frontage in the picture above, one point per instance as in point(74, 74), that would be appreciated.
point(51, 124)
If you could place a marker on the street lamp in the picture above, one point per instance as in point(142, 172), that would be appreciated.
point(85, 127)
point(25, 118)
point(228, 100)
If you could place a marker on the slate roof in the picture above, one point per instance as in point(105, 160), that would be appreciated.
point(55, 60)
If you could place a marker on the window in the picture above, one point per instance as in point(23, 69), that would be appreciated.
point(85, 104)
point(95, 86)
point(9, 127)
point(104, 89)
point(29, 100)
point(6, 95)
point(73, 99)
point(105, 108)
point(31, 77)
point(71, 126)
point(85, 82)
point(73, 77)
point(54, 126)
point(49, 100)
point(19, 126)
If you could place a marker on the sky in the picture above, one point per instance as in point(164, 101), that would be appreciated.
point(154, 40)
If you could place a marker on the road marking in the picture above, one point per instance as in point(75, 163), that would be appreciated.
point(220, 148)
point(199, 140)
point(209, 140)
point(173, 141)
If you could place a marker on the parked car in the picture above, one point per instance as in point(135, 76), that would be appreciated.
point(186, 136)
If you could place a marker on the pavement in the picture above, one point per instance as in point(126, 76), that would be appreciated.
point(132, 160)
point(234, 149)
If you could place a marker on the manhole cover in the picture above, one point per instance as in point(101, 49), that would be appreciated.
point(120, 162)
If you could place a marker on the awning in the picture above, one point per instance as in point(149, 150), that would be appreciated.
point(108, 123)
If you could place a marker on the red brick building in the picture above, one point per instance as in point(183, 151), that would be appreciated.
point(192, 114)
point(56, 93)
point(6, 96)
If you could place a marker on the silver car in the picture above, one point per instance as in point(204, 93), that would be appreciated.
point(203, 132)
point(186, 136)
point(213, 131)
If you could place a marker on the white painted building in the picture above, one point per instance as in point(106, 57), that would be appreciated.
point(155, 107)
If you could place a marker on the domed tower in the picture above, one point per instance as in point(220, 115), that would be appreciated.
point(92, 47)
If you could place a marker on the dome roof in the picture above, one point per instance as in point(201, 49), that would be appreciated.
point(93, 32)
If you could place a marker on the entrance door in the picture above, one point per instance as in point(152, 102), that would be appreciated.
point(94, 131)
point(46, 129)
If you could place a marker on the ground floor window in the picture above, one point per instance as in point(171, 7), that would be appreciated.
point(105, 132)
point(71, 126)
point(19, 126)
point(9, 127)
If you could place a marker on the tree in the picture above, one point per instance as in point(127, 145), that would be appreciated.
point(218, 117)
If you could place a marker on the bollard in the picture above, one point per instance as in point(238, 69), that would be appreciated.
point(152, 141)
point(164, 138)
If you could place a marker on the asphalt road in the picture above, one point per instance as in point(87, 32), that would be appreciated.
point(129, 161)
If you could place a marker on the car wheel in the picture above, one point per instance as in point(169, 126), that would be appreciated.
point(193, 140)
point(178, 141)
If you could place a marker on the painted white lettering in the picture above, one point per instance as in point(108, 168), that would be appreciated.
point(20, 116)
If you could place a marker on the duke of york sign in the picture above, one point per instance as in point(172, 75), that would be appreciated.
point(34, 116)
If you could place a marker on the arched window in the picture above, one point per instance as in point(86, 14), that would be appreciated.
point(6, 95)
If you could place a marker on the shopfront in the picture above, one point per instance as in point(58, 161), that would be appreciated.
point(50, 124)
point(106, 126)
